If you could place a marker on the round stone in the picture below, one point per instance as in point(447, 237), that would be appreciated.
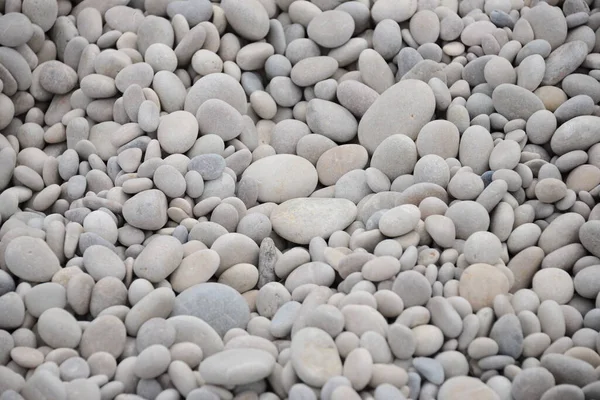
point(413, 288)
point(515, 102)
point(177, 132)
point(482, 247)
point(57, 77)
point(429, 340)
point(221, 306)
point(59, 329)
point(217, 117)
point(553, 284)
point(106, 333)
point(339, 160)
point(468, 217)
point(439, 137)
point(589, 235)
point(481, 283)
point(587, 280)
point(395, 147)
point(16, 29)
point(247, 18)
point(331, 28)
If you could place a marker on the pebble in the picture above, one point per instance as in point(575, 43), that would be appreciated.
point(237, 366)
point(314, 356)
point(301, 219)
point(319, 28)
point(146, 210)
point(31, 259)
point(460, 386)
point(198, 300)
point(553, 284)
point(415, 113)
point(481, 283)
point(59, 329)
point(321, 198)
point(413, 288)
point(158, 259)
point(569, 370)
point(273, 175)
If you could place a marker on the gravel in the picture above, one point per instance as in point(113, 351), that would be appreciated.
point(282, 199)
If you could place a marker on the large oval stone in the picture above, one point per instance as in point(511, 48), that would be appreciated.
point(579, 133)
point(300, 220)
point(237, 367)
point(515, 102)
point(31, 259)
point(403, 108)
point(564, 60)
point(282, 177)
point(315, 357)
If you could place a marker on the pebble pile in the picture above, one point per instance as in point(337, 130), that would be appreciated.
point(290, 199)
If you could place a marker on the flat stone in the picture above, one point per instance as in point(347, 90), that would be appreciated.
point(237, 366)
point(569, 370)
point(515, 102)
point(282, 177)
point(563, 61)
point(299, 220)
